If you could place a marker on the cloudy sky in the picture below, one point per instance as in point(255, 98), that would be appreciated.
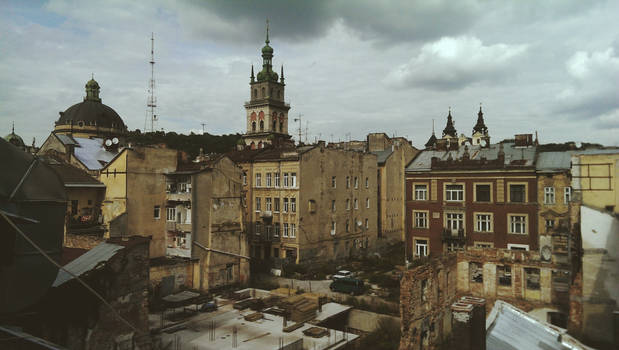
point(351, 67)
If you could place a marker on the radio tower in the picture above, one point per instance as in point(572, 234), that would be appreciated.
point(152, 100)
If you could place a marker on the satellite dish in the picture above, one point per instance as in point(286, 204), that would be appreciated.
point(483, 143)
point(108, 143)
point(578, 144)
point(115, 140)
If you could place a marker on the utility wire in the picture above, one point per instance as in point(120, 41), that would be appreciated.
point(69, 272)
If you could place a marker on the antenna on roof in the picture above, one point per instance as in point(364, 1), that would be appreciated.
point(152, 100)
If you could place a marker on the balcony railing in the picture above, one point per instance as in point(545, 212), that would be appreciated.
point(179, 196)
point(450, 234)
point(174, 226)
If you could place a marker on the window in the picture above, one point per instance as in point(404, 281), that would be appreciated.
point(367, 203)
point(549, 195)
point(157, 212)
point(333, 182)
point(293, 205)
point(483, 222)
point(293, 229)
point(268, 178)
point(424, 290)
point(347, 225)
point(277, 183)
point(454, 192)
point(511, 246)
point(347, 181)
point(244, 178)
point(356, 203)
point(285, 205)
point(285, 230)
point(348, 204)
point(504, 275)
point(293, 180)
point(421, 247)
point(454, 221)
point(421, 192)
point(268, 206)
point(367, 182)
point(567, 194)
point(476, 272)
point(518, 224)
point(258, 179)
point(517, 193)
point(170, 214)
point(74, 207)
point(276, 229)
point(285, 179)
point(532, 275)
point(356, 182)
point(484, 245)
point(258, 204)
point(333, 205)
point(482, 193)
point(333, 228)
point(367, 223)
point(262, 125)
point(421, 219)
point(550, 223)
point(276, 205)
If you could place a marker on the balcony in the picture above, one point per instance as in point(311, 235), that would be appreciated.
point(174, 226)
point(266, 214)
point(178, 196)
point(453, 235)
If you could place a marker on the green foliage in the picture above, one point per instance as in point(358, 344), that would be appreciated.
point(189, 144)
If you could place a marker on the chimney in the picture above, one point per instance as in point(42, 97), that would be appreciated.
point(478, 335)
point(462, 326)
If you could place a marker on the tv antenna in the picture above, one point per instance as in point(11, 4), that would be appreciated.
point(203, 124)
point(152, 100)
point(300, 125)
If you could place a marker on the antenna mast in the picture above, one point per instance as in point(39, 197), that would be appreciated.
point(152, 100)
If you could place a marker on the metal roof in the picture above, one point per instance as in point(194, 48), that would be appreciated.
point(90, 260)
point(509, 328)
point(554, 161)
point(66, 139)
point(381, 156)
point(92, 153)
point(514, 156)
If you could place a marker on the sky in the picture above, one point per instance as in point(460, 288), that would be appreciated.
point(351, 67)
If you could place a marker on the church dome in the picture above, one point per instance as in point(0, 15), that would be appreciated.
point(15, 139)
point(92, 113)
point(267, 49)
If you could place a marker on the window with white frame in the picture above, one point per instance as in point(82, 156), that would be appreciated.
point(421, 219)
point(421, 247)
point(567, 194)
point(549, 195)
point(367, 223)
point(293, 180)
point(512, 246)
point(285, 179)
point(454, 221)
point(268, 205)
point(356, 203)
point(333, 182)
point(347, 225)
point(258, 204)
point(333, 205)
point(285, 229)
point(268, 179)
point(483, 222)
point(244, 178)
point(421, 192)
point(276, 205)
point(454, 192)
point(367, 202)
point(356, 182)
point(333, 228)
point(348, 204)
point(518, 224)
point(347, 181)
point(293, 230)
point(276, 177)
point(171, 214)
point(285, 205)
point(367, 182)
point(258, 180)
point(293, 205)
point(276, 229)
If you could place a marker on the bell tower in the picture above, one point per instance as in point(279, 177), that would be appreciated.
point(267, 113)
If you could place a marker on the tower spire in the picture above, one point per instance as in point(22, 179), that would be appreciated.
point(252, 74)
point(281, 77)
point(13, 128)
point(480, 126)
point(267, 40)
point(450, 129)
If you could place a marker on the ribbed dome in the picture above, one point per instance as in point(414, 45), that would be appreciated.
point(14, 139)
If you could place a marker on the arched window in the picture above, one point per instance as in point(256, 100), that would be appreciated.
point(262, 125)
point(252, 145)
point(255, 93)
point(253, 126)
point(260, 145)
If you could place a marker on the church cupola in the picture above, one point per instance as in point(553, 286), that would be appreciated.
point(267, 73)
point(92, 91)
point(480, 127)
point(450, 129)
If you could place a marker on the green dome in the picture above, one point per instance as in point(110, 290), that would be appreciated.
point(267, 49)
point(92, 84)
point(265, 75)
point(14, 139)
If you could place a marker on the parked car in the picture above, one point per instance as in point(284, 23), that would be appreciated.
point(342, 274)
point(209, 306)
point(347, 285)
